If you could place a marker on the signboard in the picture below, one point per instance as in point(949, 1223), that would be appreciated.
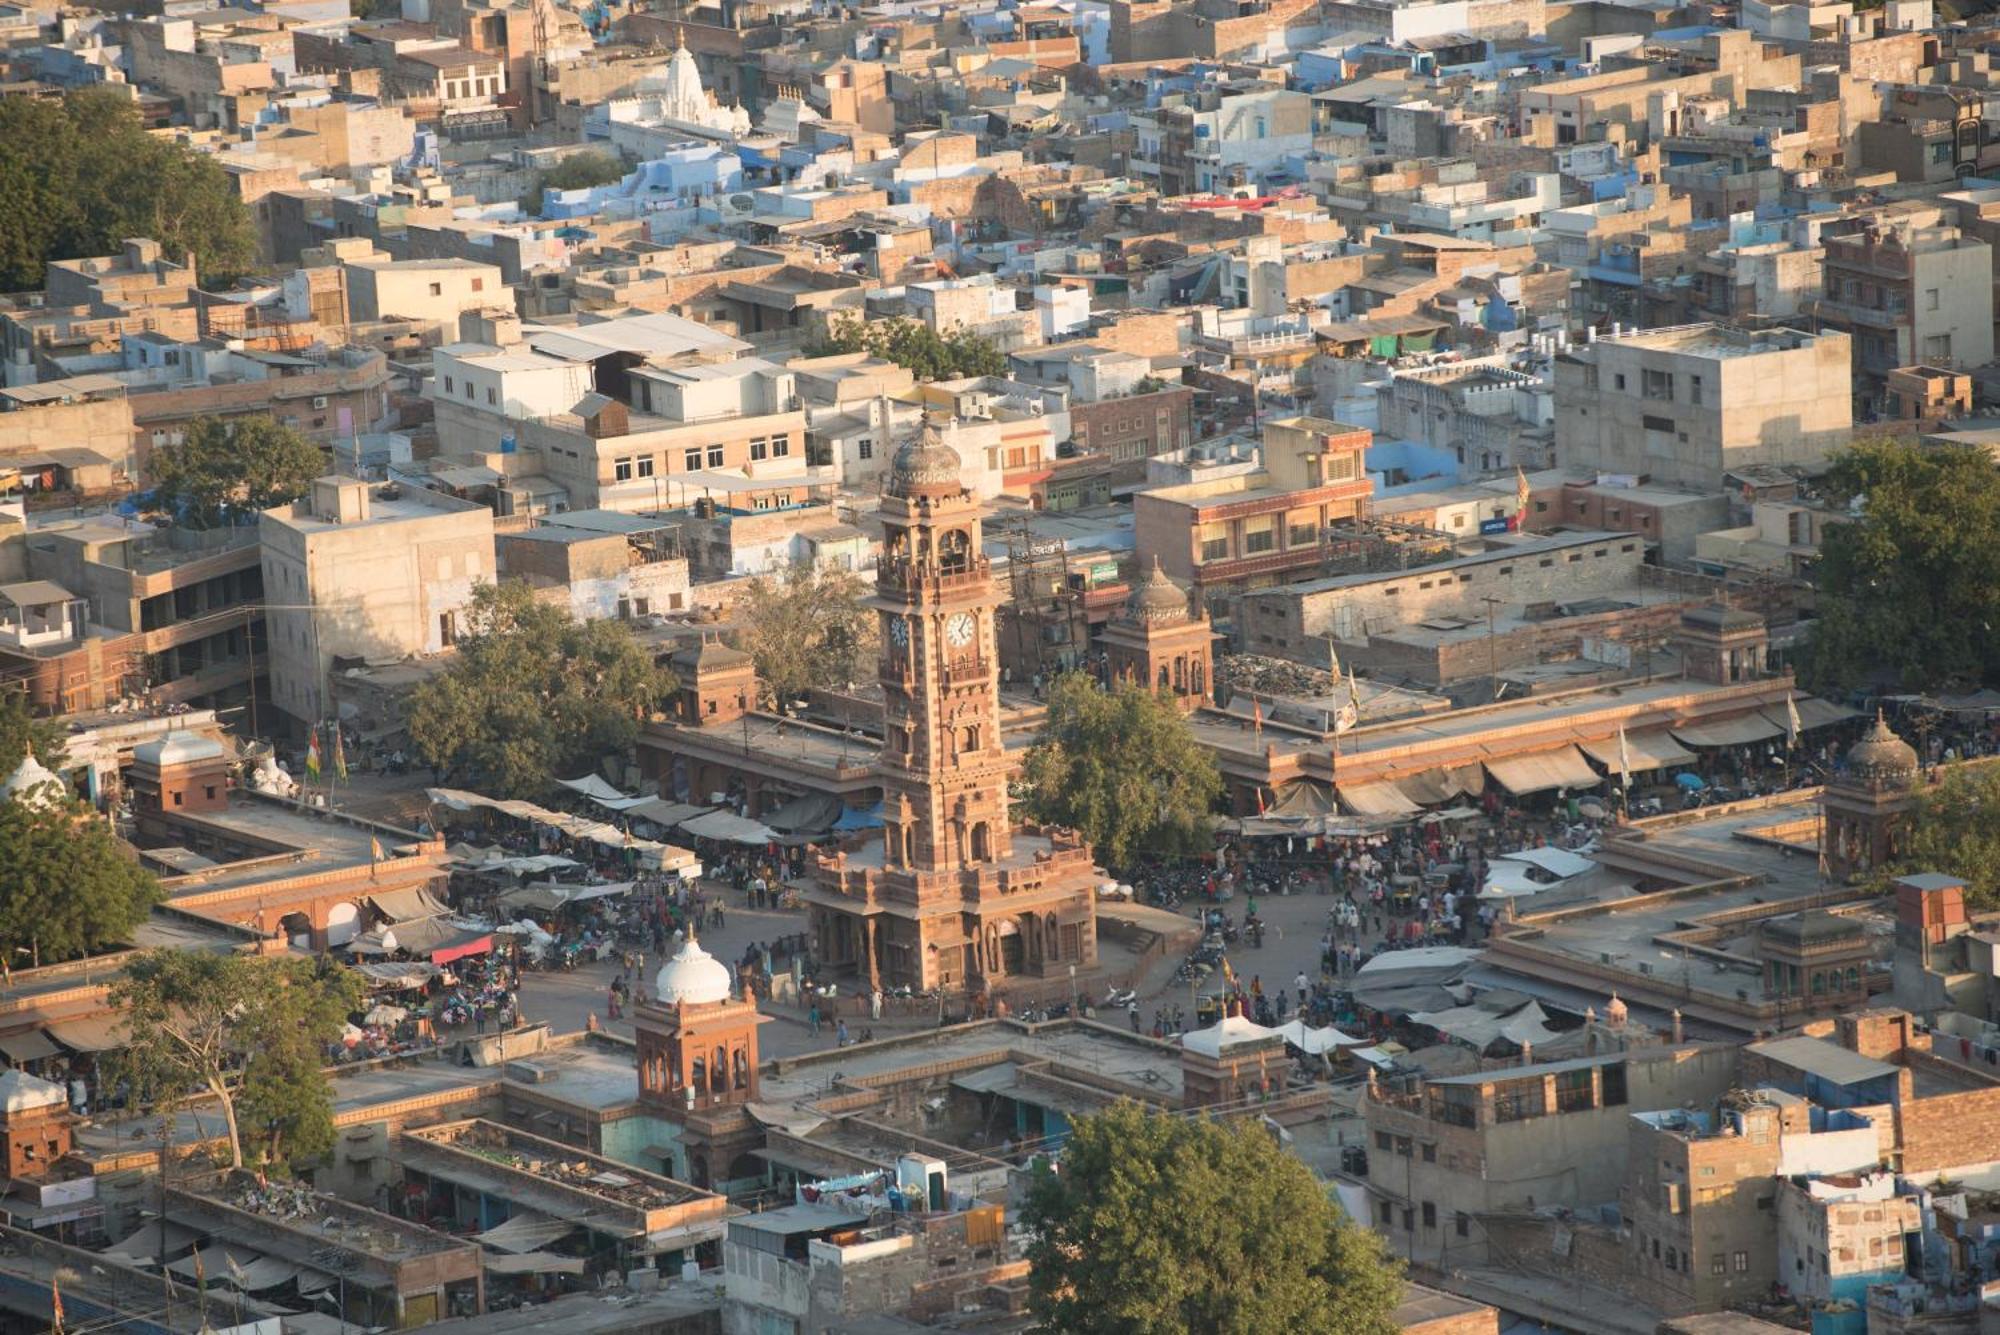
point(1494, 525)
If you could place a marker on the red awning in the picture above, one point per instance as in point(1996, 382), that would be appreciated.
point(459, 950)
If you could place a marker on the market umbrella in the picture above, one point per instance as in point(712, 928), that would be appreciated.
point(385, 1015)
point(1694, 783)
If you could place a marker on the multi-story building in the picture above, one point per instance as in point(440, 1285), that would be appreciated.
point(364, 571)
point(1908, 295)
point(1685, 405)
point(1490, 417)
point(1225, 136)
point(1249, 528)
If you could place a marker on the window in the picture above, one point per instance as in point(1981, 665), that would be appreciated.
point(1430, 1215)
point(715, 456)
point(692, 459)
point(1618, 382)
point(479, 285)
point(1461, 1224)
point(781, 446)
point(447, 387)
point(1214, 542)
point(1657, 384)
point(448, 628)
point(864, 448)
point(645, 465)
point(1741, 1262)
point(1718, 1264)
point(1301, 534)
point(1694, 389)
point(1260, 534)
point(1383, 1141)
point(1937, 348)
point(1652, 423)
point(1673, 1259)
point(1388, 1214)
point(492, 395)
point(437, 289)
point(1430, 1152)
point(759, 446)
point(1930, 298)
point(621, 470)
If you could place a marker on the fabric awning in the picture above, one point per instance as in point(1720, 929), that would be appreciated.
point(404, 905)
point(534, 1263)
point(1813, 713)
point(1563, 767)
point(458, 950)
point(814, 813)
point(526, 1231)
point(1377, 799)
point(27, 1045)
point(1434, 787)
point(152, 1240)
point(99, 1033)
point(1656, 749)
point(593, 787)
point(728, 828)
point(659, 811)
point(1744, 730)
point(1303, 799)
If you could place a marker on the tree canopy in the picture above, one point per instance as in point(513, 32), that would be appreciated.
point(1157, 1225)
point(533, 694)
point(68, 888)
point(20, 730)
point(804, 627)
point(1123, 768)
point(82, 175)
point(578, 171)
point(913, 344)
point(225, 471)
point(196, 1018)
point(1907, 595)
point(1956, 831)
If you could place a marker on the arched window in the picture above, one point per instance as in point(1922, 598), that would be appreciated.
point(719, 1074)
point(1818, 982)
point(955, 552)
point(742, 1069)
point(1163, 676)
point(698, 1074)
point(970, 742)
point(1180, 675)
point(1853, 978)
point(982, 842)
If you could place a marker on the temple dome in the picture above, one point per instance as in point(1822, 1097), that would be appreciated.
point(693, 977)
point(1158, 601)
point(925, 466)
point(1881, 759)
point(27, 784)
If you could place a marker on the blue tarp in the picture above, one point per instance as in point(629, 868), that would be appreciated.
point(851, 820)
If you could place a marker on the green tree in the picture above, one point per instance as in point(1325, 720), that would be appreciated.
point(20, 730)
point(805, 627)
point(578, 171)
point(197, 1018)
point(913, 344)
point(532, 694)
point(1159, 1225)
point(1906, 589)
point(82, 175)
point(68, 887)
point(1123, 768)
point(226, 470)
point(1956, 831)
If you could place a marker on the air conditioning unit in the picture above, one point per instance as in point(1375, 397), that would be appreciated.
point(319, 400)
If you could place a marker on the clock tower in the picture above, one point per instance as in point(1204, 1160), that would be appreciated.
point(952, 895)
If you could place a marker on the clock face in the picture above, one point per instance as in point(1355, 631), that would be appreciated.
point(959, 630)
point(899, 631)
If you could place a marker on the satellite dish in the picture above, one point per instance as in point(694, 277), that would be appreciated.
point(742, 202)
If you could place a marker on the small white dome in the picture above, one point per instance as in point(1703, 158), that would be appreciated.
point(27, 782)
point(177, 748)
point(692, 977)
point(21, 1092)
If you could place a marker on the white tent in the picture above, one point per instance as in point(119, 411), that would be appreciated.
point(1312, 1042)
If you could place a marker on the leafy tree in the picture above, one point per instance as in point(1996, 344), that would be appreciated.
point(913, 344)
point(1123, 768)
point(805, 627)
point(82, 175)
point(1956, 831)
point(1906, 589)
point(195, 1017)
point(533, 694)
point(1158, 1225)
point(21, 730)
point(68, 888)
point(578, 171)
point(225, 471)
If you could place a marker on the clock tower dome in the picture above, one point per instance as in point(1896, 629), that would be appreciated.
point(951, 895)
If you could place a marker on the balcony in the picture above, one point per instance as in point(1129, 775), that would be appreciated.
point(967, 672)
point(927, 578)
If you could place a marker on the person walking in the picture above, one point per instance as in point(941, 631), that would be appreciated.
point(812, 1019)
point(840, 1034)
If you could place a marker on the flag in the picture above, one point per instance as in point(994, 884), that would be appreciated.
point(1260, 801)
point(55, 1303)
point(1791, 720)
point(1228, 974)
point(1521, 492)
point(1354, 693)
point(312, 756)
point(1624, 760)
point(339, 755)
point(374, 850)
point(1257, 714)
